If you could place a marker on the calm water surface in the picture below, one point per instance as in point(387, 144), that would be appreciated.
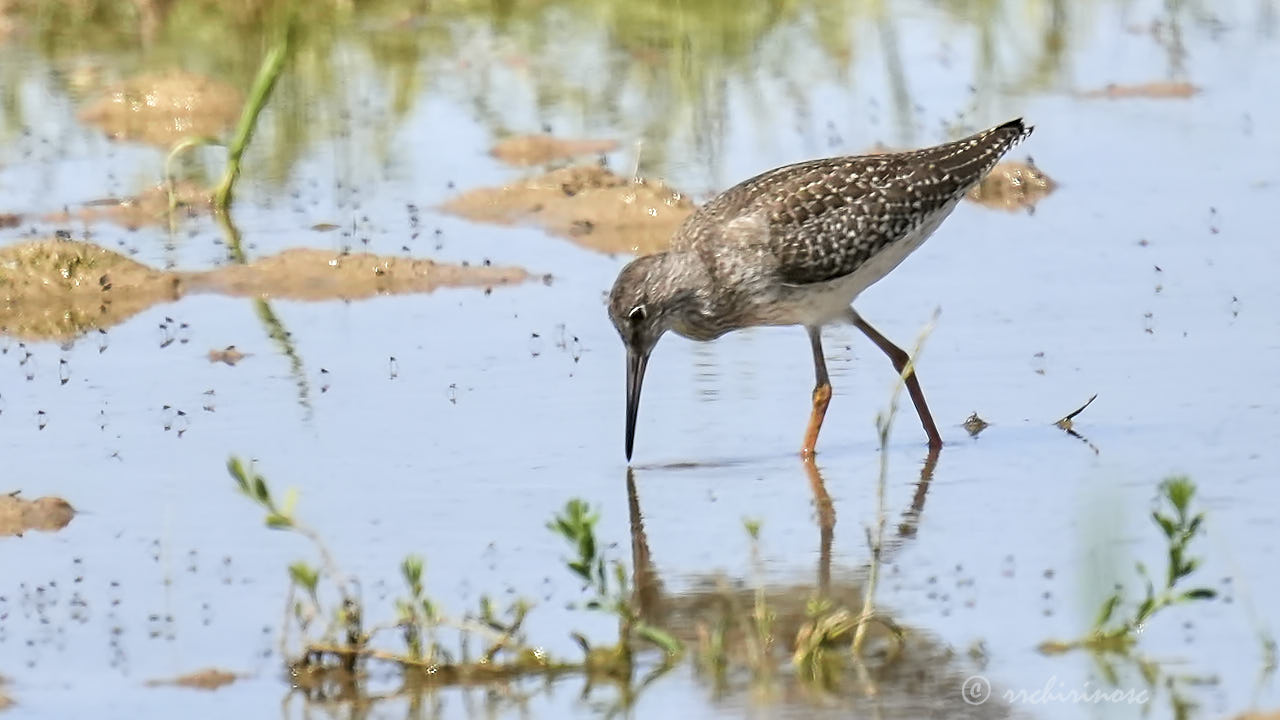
point(1146, 278)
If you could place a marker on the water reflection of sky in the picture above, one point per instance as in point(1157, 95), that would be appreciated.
point(466, 453)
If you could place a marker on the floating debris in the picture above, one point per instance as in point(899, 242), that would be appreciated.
point(229, 355)
point(1066, 424)
point(46, 514)
point(542, 149)
point(974, 425)
point(163, 108)
point(585, 203)
point(207, 679)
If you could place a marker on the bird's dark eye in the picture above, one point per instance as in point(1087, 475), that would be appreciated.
point(637, 314)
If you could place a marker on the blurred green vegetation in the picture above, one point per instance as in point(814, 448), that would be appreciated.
point(663, 69)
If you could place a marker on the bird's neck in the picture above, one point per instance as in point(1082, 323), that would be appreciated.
point(695, 299)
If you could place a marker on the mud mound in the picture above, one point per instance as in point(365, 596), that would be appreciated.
point(207, 679)
point(162, 108)
point(587, 204)
point(47, 514)
point(306, 274)
point(1013, 186)
point(149, 208)
point(60, 289)
point(1159, 90)
point(542, 149)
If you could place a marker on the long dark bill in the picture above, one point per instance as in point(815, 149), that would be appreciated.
point(635, 377)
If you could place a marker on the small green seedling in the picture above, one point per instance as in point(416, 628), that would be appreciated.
point(606, 580)
point(1118, 633)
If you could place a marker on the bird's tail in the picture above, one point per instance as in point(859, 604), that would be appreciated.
point(966, 161)
point(1015, 131)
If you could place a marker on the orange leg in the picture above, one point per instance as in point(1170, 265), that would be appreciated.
point(821, 394)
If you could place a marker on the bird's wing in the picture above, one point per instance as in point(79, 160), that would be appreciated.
point(825, 218)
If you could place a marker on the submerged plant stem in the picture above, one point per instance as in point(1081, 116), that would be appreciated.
point(884, 424)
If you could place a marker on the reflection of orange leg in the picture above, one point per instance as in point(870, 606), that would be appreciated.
point(826, 523)
point(899, 358)
point(821, 394)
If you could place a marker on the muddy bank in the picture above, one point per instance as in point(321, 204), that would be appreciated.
point(149, 208)
point(46, 514)
point(60, 289)
point(541, 149)
point(163, 108)
point(1013, 186)
point(587, 204)
point(307, 274)
point(1158, 90)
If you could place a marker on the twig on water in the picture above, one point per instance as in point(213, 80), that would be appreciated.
point(1066, 424)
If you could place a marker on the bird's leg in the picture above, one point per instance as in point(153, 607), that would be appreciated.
point(821, 393)
point(899, 358)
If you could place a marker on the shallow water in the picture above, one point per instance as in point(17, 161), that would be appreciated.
point(455, 423)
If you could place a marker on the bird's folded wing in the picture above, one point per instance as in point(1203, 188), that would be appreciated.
point(825, 218)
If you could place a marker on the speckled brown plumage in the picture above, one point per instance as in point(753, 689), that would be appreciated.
point(795, 246)
point(826, 217)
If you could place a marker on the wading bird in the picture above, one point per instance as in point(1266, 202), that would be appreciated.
point(795, 246)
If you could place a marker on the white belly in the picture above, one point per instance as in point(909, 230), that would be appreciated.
point(823, 303)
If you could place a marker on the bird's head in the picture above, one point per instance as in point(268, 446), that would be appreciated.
point(649, 295)
point(642, 301)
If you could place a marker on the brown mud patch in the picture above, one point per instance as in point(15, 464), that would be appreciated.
point(60, 289)
point(207, 679)
point(149, 208)
point(1159, 90)
point(46, 514)
point(162, 108)
point(542, 149)
point(307, 274)
point(1013, 186)
point(587, 204)
point(228, 356)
